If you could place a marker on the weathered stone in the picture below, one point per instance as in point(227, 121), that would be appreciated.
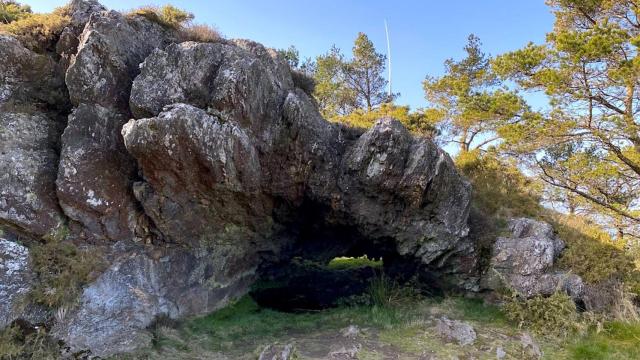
point(454, 330)
point(139, 287)
point(525, 261)
point(28, 159)
point(96, 172)
point(278, 352)
point(111, 48)
point(300, 155)
point(15, 279)
point(29, 79)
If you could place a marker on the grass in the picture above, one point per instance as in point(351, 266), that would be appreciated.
point(61, 269)
point(404, 330)
point(345, 263)
point(167, 16)
point(245, 321)
point(617, 341)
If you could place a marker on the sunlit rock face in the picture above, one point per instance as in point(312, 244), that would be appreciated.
point(194, 168)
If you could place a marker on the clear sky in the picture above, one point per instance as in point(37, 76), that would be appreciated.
point(423, 33)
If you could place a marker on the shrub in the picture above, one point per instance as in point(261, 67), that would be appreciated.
point(555, 314)
point(418, 122)
point(385, 292)
point(61, 269)
point(591, 252)
point(38, 32)
point(168, 16)
point(11, 11)
point(303, 81)
point(10, 346)
point(200, 33)
point(16, 343)
point(500, 190)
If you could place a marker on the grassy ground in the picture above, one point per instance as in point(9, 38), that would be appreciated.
point(401, 331)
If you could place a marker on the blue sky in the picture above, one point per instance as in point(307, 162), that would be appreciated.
point(423, 33)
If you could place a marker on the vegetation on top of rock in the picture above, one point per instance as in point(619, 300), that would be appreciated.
point(200, 33)
point(12, 10)
point(168, 16)
point(38, 32)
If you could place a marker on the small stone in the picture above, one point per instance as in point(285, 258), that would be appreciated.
point(454, 330)
point(351, 332)
point(277, 352)
point(346, 352)
point(530, 346)
point(500, 353)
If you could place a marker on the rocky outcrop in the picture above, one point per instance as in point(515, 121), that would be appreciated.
point(196, 168)
point(140, 286)
point(32, 94)
point(525, 261)
point(96, 172)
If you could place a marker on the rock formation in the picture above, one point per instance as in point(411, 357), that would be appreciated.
point(194, 168)
point(525, 261)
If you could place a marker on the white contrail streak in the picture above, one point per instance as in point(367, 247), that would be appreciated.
point(386, 30)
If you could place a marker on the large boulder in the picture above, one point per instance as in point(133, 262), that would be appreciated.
point(385, 183)
point(15, 279)
point(28, 157)
point(525, 261)
point(140, 287)
point(29, 79)
point(96, 172)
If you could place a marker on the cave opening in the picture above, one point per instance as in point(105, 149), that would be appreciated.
point(329, 263)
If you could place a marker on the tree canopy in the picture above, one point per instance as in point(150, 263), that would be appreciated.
point(587, 144)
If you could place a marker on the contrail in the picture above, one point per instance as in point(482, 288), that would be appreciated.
point(386, 30)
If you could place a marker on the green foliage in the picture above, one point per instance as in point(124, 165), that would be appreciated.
point(617, 341)
point(62, 269)
point(245, 323)
point(345, 263)
point(592, 253)
point(499, 188)
point(15, 344)
point(470, 106)
point(291, 56)
point(553, 315)
point(587, 145)
point(11, 11)
point(345, 85)
point(419, 122)
point(168, 16)
point(364, 74)
point(10, 346)
point(38, 32)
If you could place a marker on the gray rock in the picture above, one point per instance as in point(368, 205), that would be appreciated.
point(96, 172)
point(252, 89)
point(28, 157)
point(530, 346)
point(277, 352)
point(454, 330)
point(15, 279)
point(28, 79)
point(139, 287)
point(525, 261)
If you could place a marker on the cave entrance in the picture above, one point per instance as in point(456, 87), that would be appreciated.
point(309, 285)
point(326, 263)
